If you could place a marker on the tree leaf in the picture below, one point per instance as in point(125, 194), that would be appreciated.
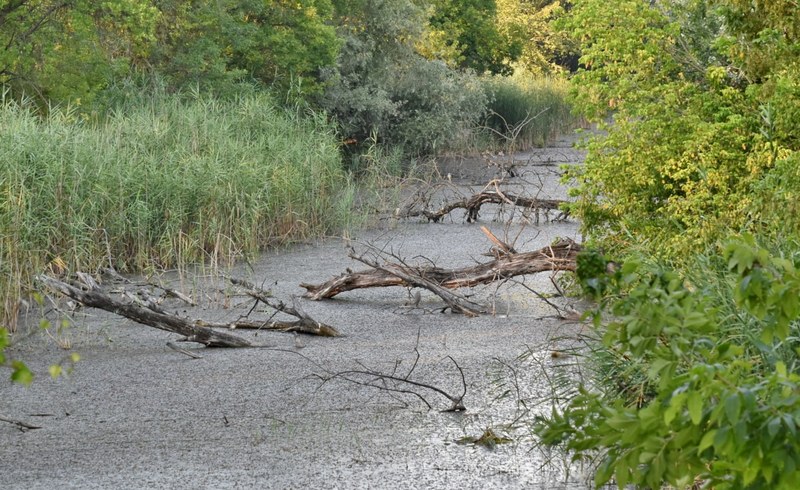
point(707, 440)
point(21, 374)
point(733, 406)
point(695, 406)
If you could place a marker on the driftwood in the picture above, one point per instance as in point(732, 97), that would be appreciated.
point(193, 330)
point(146, 310)
point(559, 256)
point(412, 277)
point(108, 271)
point(473, 204)
point(21, 425)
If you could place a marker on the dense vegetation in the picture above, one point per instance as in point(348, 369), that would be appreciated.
point(693, 190)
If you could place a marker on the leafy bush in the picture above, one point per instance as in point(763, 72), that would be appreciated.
point(161, 182)
point(283, 45)
point(467, 34)
point(68, 51)
point(696, 126)
point(716, 405)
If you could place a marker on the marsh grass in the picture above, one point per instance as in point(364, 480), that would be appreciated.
point(162, 181)
point(528, 110)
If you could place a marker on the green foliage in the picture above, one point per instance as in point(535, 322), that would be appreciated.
point(465, 33)
point(697, 375)
point(163, 181)
point(530, 25)
point(69, 51)
point(591, 273)
point(283, 44)
point(55, 50)
point(527, 110)
point(383, 88)
point(697, 128)
point(19, 371)
point(716, 405)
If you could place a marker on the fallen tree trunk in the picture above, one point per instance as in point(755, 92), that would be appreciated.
point(211, 334)
point(473, 205)
point(194, 330)
point(304, 323)
point(412, 277)
point(559, 256)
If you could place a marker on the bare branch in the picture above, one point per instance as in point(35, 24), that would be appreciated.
point(414, 278)
point(472, 206)
point(304, 323)
point(23, 426)
point(457, 402)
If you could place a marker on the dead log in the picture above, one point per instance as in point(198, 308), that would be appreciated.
point(22, 426)
point(194, 330)
point(560, 256)
point(148, 312)
point(412, 277)
point(473, 204)
point(113, 274)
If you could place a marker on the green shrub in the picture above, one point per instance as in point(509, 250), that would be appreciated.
point(697, 122)
point(161, 182)
point(383, 89)
point(710, 391)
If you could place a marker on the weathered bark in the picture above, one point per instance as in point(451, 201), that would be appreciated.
point(304, 323)
point(556, 257)
point(473, 205)
point(21, 425)
point(412, 277)
point(194, 330)
point(212, 334)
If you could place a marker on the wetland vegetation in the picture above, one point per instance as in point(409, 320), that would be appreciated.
point(146, 135)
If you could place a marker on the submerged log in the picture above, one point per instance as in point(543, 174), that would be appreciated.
point(560, 256)
point(212, 334)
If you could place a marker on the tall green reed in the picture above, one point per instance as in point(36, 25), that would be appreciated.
point(161, 181)
point(526, 110)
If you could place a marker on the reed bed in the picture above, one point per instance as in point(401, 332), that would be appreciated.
point(160, 182)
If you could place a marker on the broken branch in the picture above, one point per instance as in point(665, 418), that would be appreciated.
point(23, 426)
point(304, 323)
point(194, 330)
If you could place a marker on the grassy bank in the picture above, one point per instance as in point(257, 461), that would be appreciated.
point(161, 182)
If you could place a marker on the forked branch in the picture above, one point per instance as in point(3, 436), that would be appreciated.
point(472, 206)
